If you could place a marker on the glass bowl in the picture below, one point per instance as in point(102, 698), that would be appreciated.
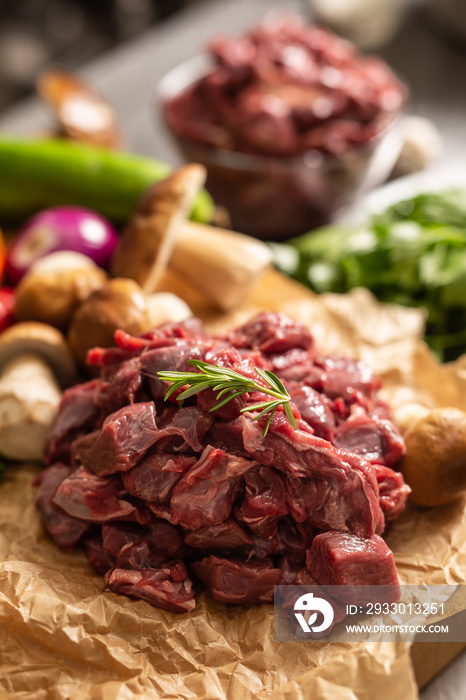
point(273, 197)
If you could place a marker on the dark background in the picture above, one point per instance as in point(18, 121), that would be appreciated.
point(68, 33)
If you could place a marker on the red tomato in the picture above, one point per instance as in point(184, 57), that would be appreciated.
point(7, 305)
point(2, 254)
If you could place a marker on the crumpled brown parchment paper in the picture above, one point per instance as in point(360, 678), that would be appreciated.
point(61, 637)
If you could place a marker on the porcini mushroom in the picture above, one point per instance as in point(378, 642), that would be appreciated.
point(407, 414)
point(34, 363)
point(435, 462)
point(120, 304)
point(221, 264)
point(81, 113)
point(55, 286)
point(147, 242)
point(422, 145)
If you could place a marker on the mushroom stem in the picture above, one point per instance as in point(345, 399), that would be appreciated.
point(223, 265)
point(29, 399)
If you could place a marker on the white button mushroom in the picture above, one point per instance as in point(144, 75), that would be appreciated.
point(34, 363)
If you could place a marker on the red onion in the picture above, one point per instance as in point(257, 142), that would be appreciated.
point(57, 229)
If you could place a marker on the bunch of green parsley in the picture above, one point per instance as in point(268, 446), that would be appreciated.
point(414, 253)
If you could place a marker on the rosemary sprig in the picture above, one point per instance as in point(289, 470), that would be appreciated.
point(230, 384)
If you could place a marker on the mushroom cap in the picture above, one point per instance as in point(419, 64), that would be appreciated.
point(119, 303)
point(147, 242)
point(435, 462)
point(82, 114)
point(55, 286)
point(31, 337)
point(406, 415)
point(165, 307)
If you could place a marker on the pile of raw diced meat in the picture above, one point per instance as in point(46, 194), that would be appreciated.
point(166, 500)
point(284, 88)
